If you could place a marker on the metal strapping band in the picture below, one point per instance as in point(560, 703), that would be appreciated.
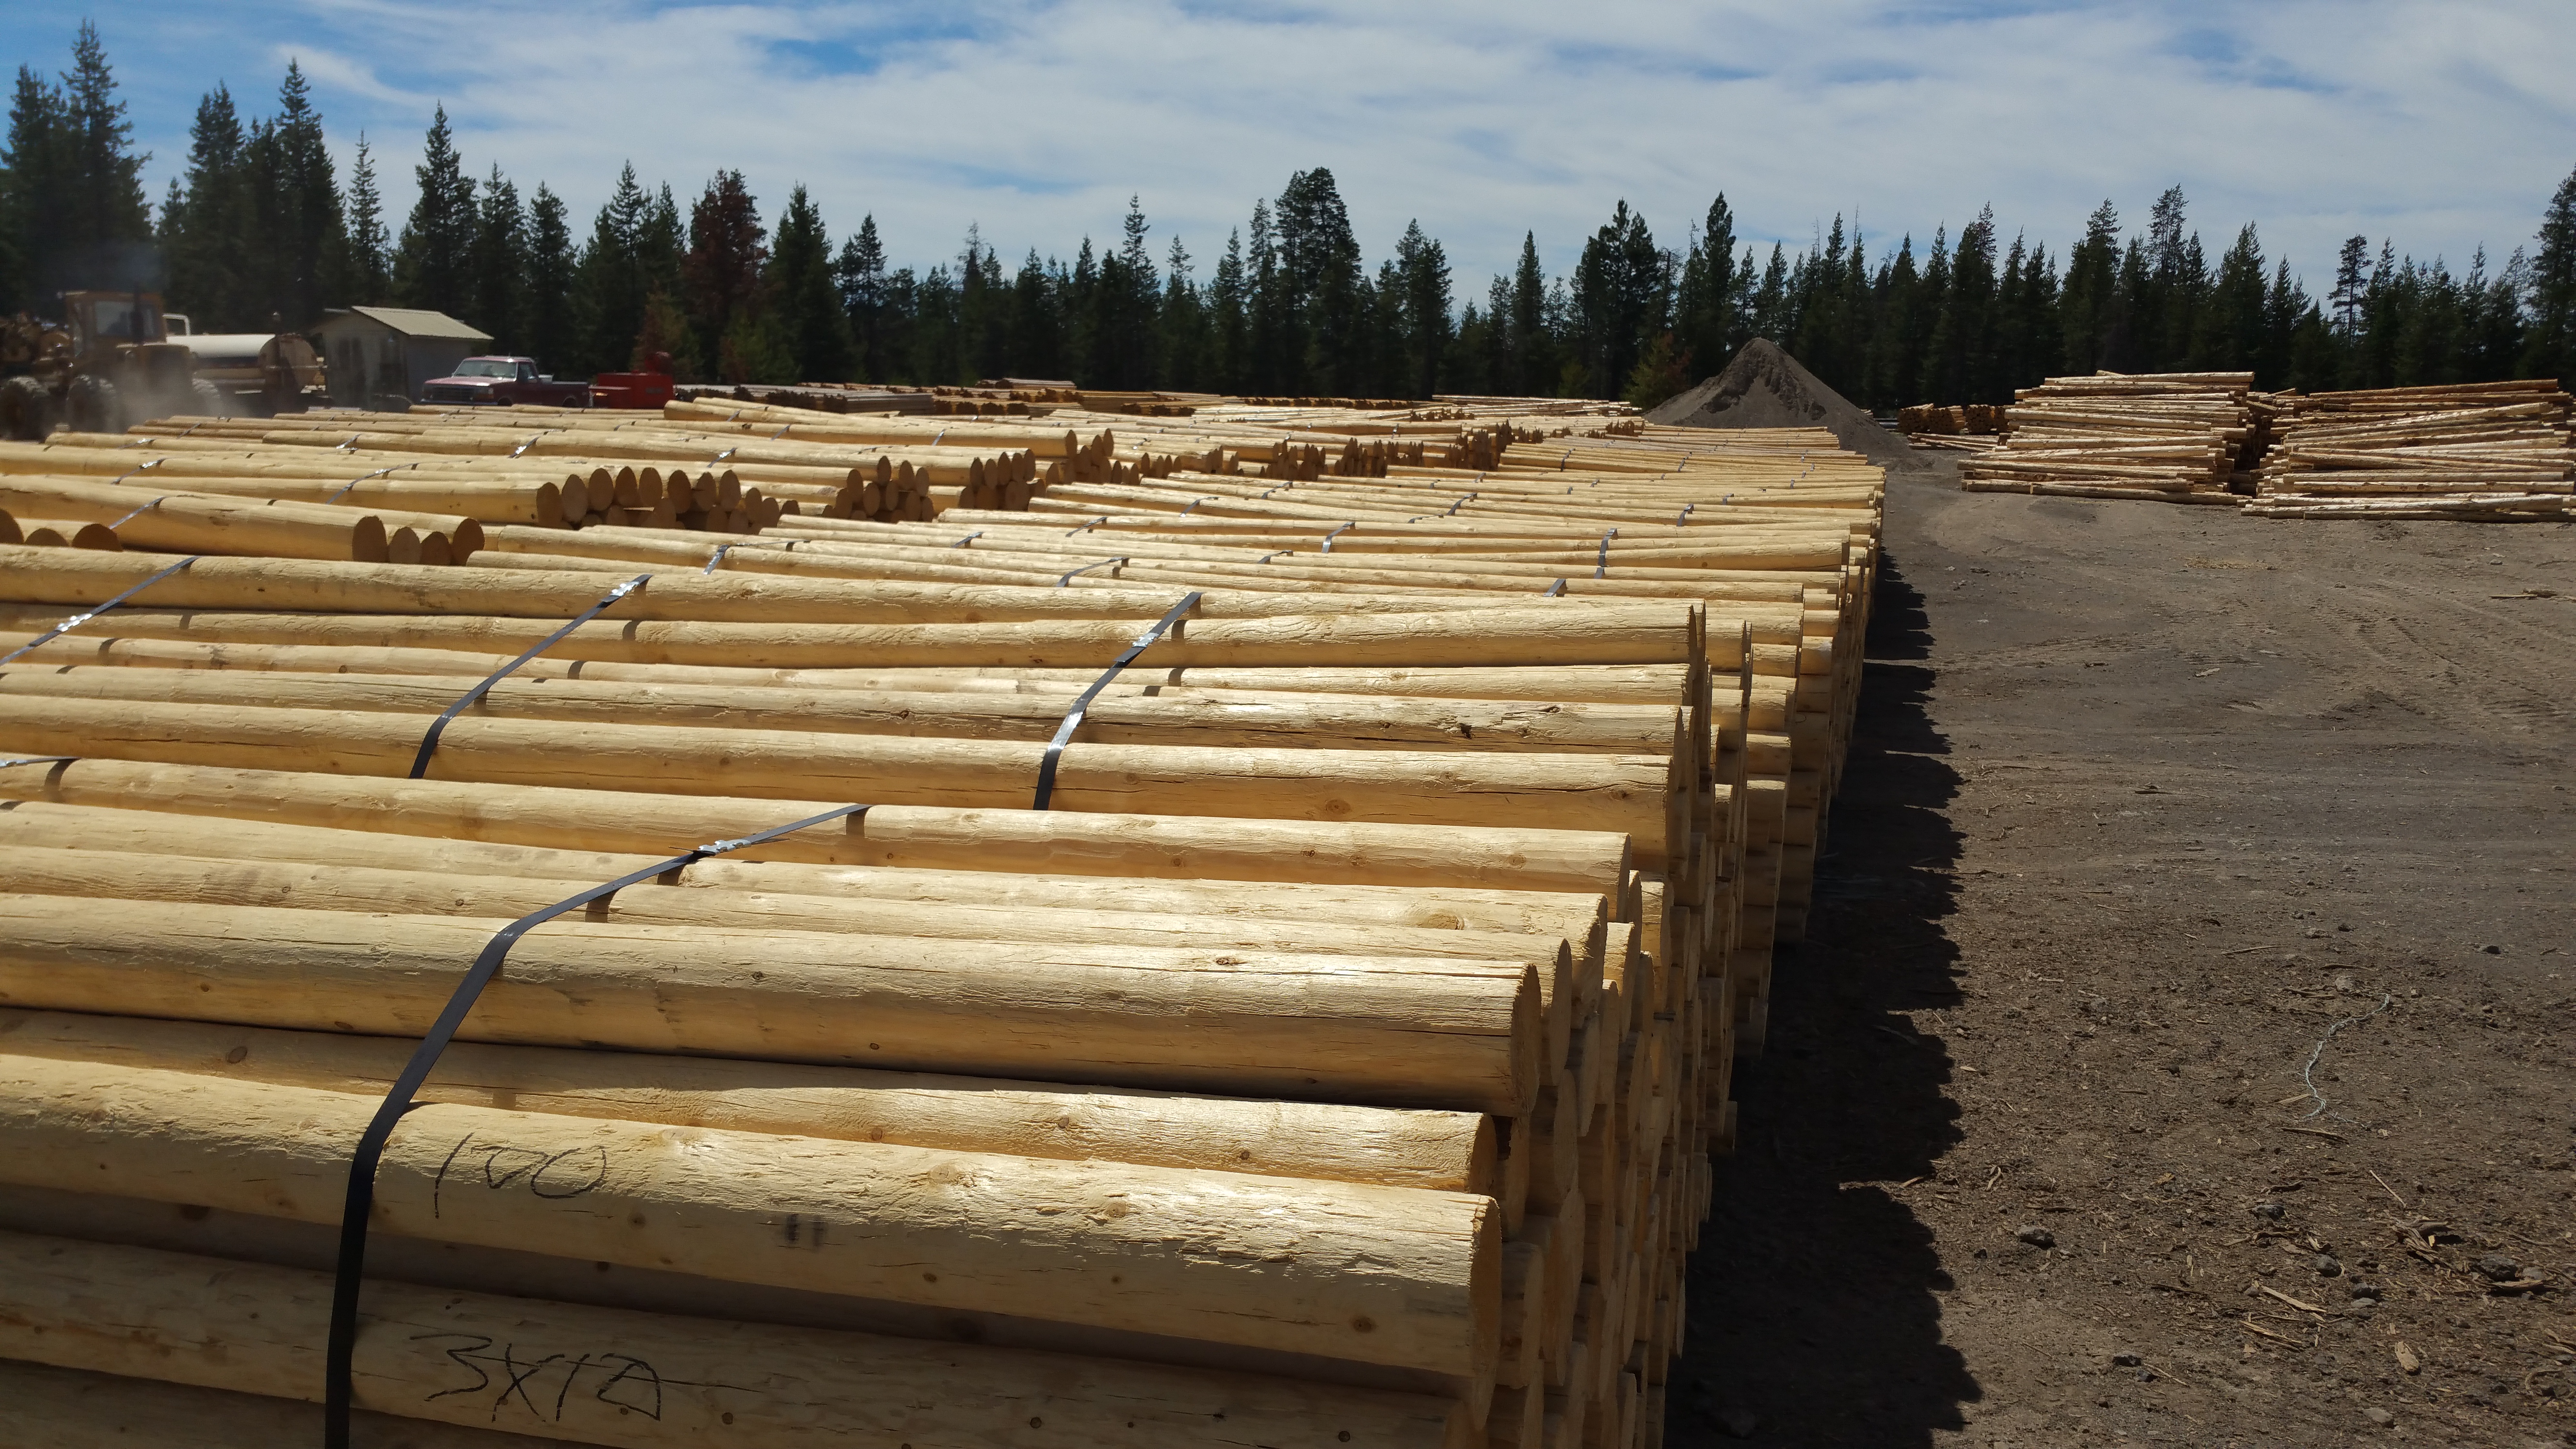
point(1195, 502)
point(363, 477)
point(39, 760)
point(360, 1201)
point(429, 741)
point(1066, 580)
point(1554, 589)
point(76, 620)
point(716, 558)
point(130, 472)
point(351, 445)
point(523, 447)
point(1461, 503)
point(1685, 513)
point(1603, 566)
point(1267, 557)
point(137, 513)
point(1082, 702)
point(1338, 532)
point(782, 432)
point(970, 538)
point(720, 457)
point(1095, 523)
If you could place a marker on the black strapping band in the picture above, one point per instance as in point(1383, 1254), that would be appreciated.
point(1082, 702)
point(1554, 589)
point(1602, 567)
point(1066, 579)
point(437, 727)
point(716, 558)
point(76, 620)
point(1095, 523)
point(1685, 513)
point(336, 1390)
point(970, 538)
point(1338, 532)
point(1267, 557)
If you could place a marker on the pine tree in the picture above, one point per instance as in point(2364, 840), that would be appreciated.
point(2228, 335)
point(31, 189)
point(818, 333)
point(860, 275)
point(501, 265)
point(1532, 342)
point(721, 273)
point(206, 229)
point(1319, 265)
point(1704, 305)
point(434, 261)
point(1230, 319)
point(1037, 321)
point(370, 259)
point(1422, 282)
point(548, 330)
point(1771, 314)
point(2549, 347)
point(1623, 296)
point(106, 215)
point(1276, 352)
point(609, 289)
point(2352, 282)
point(1188, 338)
point(310, 231)
point(2092, 290)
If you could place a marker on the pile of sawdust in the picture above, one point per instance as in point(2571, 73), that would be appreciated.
point(1765, 387)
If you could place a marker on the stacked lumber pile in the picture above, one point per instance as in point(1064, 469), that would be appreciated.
point(1968, 427)
point(1335, 1059)
point(2168, 437)
point(2491, 452)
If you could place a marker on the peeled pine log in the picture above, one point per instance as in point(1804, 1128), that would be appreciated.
point(61, 1408)
point(546, 503)
point(69, 533)
point(185, 522)
point(642, 1381)
point(1402, 1277)
point(657, 825)
point(1631, 794)
point(1442, 1033)
point(1199, 721)
point(1575, 919)
point(1333, 1142)
point(504, 598)
point(120, 875)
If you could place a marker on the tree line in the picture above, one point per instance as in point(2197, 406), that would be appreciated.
point(260, 226)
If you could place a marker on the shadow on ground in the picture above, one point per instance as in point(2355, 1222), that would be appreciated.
point(1812, 1316)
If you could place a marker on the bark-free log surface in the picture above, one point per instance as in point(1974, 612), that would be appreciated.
point(1446, 1151)
point(1623, 793)
point(43, 1407)
point(640, 1381)
point(1396, 1276)
point(1048, 841)
point(1446, 1034)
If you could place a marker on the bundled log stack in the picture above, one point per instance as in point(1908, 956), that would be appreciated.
point(2491, 452)
point(2168, 437)
point(1961, 427)
point(1336, 1060)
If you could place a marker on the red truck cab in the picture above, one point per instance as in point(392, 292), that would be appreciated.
point(504, 382)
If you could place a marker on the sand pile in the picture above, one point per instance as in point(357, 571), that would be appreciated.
point(1765, 387)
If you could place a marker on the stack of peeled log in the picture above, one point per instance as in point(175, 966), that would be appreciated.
point(1333, 1056)
point(2490, 452)
point(2168, 437)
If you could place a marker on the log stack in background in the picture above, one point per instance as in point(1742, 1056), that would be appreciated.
point(2492, 452)
point(2167, 437)
point(1338, 1061)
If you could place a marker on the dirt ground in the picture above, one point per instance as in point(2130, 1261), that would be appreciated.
point(2148, 808)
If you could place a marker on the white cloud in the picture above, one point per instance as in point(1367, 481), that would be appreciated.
point(2441, 125)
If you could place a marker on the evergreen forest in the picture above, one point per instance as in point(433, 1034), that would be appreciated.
point(262, 230)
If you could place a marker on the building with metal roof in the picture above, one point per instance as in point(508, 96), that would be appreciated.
point(381, 356)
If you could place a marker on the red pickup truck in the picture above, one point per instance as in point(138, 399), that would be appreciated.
point(502, 382)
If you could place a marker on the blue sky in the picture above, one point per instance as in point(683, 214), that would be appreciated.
point(2442, 125)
